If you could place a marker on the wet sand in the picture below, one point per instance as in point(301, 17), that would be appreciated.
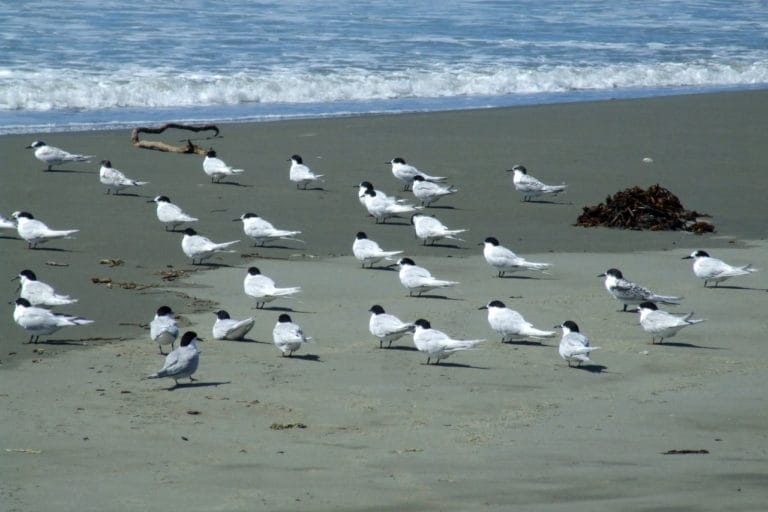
point(506, 425)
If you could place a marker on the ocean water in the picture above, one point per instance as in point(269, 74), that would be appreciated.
point(95, 64)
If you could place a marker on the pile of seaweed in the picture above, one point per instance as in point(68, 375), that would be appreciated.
point(656, 209)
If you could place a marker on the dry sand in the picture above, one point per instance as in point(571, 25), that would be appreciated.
point(501, 427)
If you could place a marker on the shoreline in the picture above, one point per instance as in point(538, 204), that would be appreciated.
point(362, 109)
point(501, 425)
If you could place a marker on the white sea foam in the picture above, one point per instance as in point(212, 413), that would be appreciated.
point(107, 63)
point(47, 90)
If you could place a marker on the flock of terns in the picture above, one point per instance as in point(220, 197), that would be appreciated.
point(36, 297)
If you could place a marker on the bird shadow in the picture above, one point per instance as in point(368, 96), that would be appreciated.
point(734, 287)
point(212, 265)
point(50, 249)
point(80, 343)
point(441, 207)
point(683, 345)
point(265, 246)
point(313, 188)
point(279, 308)
point(126, 194)
point(446, 246)
point(71, 171)
point(526, 343)
point(231, 184)
point(388, 268)
point(198, 384)
point(404, 348)
point(394, 223)
point(441, 297)
point(546, 201)
point(456, 365)
point(250, 340)
point(9, 237)
point(305, 357)
point(513, 276)
point(591, 368)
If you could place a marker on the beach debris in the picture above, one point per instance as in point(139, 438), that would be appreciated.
point(286, 426)
point(188, 148)
point(52, 263)
point(685, 452)
point(655, 209)
point(193, 412)
point(24, 450)
point(647, 160)
point(112, 262)
point(125, 285)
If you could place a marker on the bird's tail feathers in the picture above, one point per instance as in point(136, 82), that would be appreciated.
point(280, 292)
point(532, 331)
point(225, 245)
point(388, 254)
point(690, 320)
point(66, 233)
point(554, 189)
point(667, 299)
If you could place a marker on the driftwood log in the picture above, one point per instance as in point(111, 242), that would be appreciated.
point(188, 148)
point(655, 209)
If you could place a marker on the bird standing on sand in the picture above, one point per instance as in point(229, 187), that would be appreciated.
point(201, 248)
point(115, 180)
point(182, 362)
point(163, 329)
point(436, 344)
point(387, 328)
point(529, 186)
point(288, 336)
point(216, 168)
point(418, 279)
point(36, 232)
point(510, 325)
point(430, 230)
point(368, 251)
point(40, 321)
point(262, 231)
point(383, 207)
point(302, 175)
point(631, 293)
point(504, 260)
point(51, 155)
point(170, 214)
point(226, 328)
point(661, 324)
point(428, 192)
point(263, 289)
point(574, 346)
point(713, 270)
point(406, 172)
point(39, 293)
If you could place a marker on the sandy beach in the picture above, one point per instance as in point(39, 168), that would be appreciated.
point(344, 425)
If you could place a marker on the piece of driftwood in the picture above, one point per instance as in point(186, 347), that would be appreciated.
point(188, 148)
point(656, 209)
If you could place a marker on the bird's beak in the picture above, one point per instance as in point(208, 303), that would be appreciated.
point(235, 220)
point(601, 275)
point(151, 201)
point(687, 258)
point(482, 307)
